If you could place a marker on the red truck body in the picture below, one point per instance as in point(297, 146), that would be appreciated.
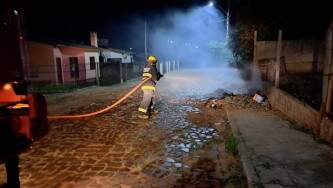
point(23, 115)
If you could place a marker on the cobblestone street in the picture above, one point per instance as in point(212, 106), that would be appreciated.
point(181, 146)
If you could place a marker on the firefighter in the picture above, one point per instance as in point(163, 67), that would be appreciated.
point(149, 71)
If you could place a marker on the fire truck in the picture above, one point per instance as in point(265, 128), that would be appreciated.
point(23, 114)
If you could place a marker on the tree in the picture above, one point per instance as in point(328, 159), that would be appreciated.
point(241, 42)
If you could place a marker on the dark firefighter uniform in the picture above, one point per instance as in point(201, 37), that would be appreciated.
point(149, 71)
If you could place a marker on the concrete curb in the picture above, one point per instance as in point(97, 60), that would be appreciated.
point(253, 180)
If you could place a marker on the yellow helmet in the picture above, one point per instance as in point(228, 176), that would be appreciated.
point(152, 59)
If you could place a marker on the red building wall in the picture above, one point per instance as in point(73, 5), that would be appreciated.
point(68, 52)
point(41, 62)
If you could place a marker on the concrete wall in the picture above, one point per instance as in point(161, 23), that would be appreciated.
point(294, 109)
point(41, 62)
point(110, 73)
point(302, 113)
point(297, 56)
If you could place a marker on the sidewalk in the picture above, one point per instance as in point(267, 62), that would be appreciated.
point(275, 155)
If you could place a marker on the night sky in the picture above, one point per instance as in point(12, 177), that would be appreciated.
point(298, 18)
point(72, 20)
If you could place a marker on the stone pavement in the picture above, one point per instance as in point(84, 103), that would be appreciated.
point(275, 155)
point(117, 149)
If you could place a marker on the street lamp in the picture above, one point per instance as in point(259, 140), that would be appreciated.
point(227, 13)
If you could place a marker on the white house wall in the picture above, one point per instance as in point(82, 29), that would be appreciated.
point(57, 54)
point(125, 58)
point(90, 74)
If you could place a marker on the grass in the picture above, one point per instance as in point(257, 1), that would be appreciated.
point(237, 181)
point(321, 141)
point(54, 88)
point(231, 144)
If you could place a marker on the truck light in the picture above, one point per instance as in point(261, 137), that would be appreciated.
point(7, 87)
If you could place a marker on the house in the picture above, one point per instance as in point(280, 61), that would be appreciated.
point(111, 55)
point(116, 65)
point(60, 63)
point(78, 63)
point(66, 63)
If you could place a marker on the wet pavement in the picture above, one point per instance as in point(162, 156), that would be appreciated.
point(117, 149)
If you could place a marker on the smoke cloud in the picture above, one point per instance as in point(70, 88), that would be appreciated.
point(196, 37)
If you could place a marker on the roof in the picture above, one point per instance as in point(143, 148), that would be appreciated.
point(58, 43)
point(117, 50)
point(78, 46)
point(61, 43)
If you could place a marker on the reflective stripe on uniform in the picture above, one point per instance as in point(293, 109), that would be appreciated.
point(147, 75)
point(148, 88)
point(143, 110)
point(146, 69)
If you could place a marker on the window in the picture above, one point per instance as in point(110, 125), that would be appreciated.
point(92, 63)
point(74, 67)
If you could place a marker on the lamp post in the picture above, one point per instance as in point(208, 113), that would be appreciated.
point(227, 13)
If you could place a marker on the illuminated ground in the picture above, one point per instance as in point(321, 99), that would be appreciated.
point(187, 143)
point(198, 83)
point(182, 145)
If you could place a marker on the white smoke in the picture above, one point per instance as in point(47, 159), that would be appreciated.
point(195, 37)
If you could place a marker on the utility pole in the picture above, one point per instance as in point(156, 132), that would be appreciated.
point(97, 73)
point(228, 23)
point(161, 67)
point(146, 50)
point(255, 39)
point(327, 80)
point(227, 14)
point(121, 72)
point(278, 59)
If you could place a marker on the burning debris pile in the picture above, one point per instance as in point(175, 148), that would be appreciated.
point(254, 102)
point(248, 102)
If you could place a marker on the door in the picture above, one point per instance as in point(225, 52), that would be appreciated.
point(59, 70)
point(74, 67)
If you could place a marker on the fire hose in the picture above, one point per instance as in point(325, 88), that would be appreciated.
point(102, 110)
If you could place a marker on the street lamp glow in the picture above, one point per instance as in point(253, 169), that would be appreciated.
point(211, 4)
